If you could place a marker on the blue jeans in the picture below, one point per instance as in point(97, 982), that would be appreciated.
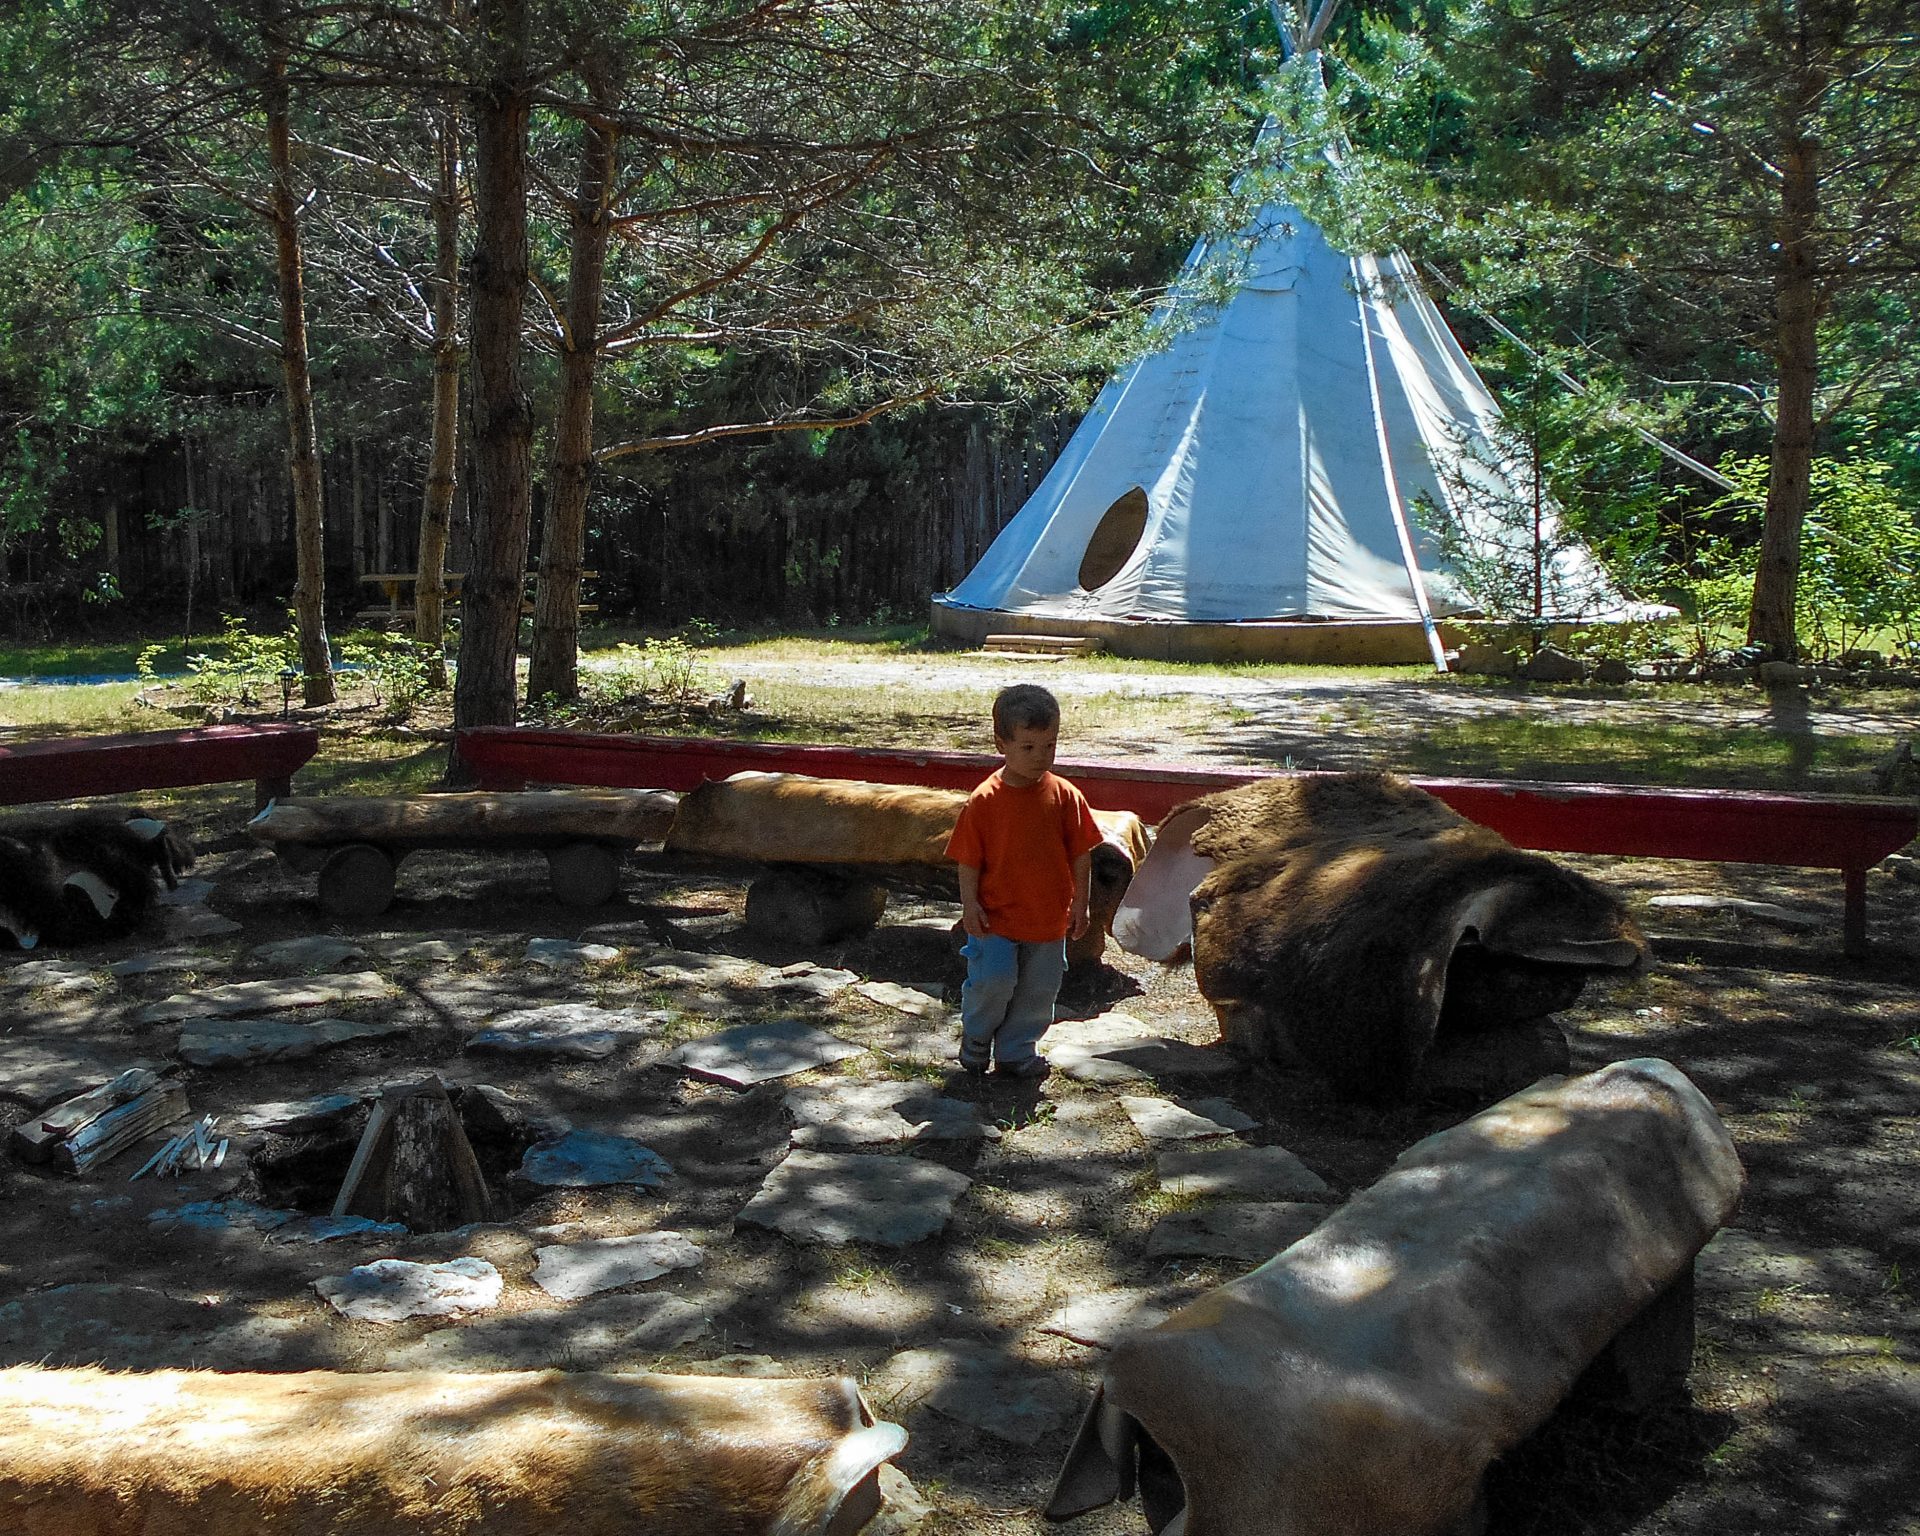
point(1007, 1003)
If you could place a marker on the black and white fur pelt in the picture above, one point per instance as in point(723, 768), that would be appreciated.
point(79, 878)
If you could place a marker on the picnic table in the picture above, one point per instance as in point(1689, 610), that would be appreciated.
point(397, 586)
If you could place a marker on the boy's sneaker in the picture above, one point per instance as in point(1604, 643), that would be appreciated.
point(1026, 1067)
point(976, 1065)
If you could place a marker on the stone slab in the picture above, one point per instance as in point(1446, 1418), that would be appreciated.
point(978, 1387)
point(1138, 1058)
point(1767, 912)
point(1164, 1120)
point(580, 1031)
point(293, 1115)
point(567, 954)
point(435, 952)
point(754, 1053)
point(570, 1271)
point(178, 923)
point(813, 980)
point(190, 892)
point(393, 1290)
point(43, 1072)
point(244, 1042)
point(1102, 1029)
point(587, 1159)
point(1100, 1320)
point(163, 963)
point(1238, 1173)
point(831, 1197)
point(862, 1114)
point(922, 999)
point(245, 997)
point(605, 1333)
point(282, 1225)
point(310, 952)
point(135, 1328)
point(52, 976)
point(1251, 1233)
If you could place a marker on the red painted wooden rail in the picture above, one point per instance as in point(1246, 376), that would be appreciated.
point(65, 768)
point(1713, 826)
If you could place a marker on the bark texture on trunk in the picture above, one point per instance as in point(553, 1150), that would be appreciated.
point(1798, 301)
point(554, 667)
point(436, 509)
point(296, 378)
point(500, 506)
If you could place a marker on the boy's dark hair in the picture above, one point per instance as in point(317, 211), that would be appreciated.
point(1024, 705)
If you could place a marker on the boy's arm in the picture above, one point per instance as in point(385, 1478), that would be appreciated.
point(972, 916)
point(1082, 891)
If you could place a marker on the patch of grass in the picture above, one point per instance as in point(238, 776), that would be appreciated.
point(79, 710)
point(1656, 752)
point(856, 1271)
point(67, 660)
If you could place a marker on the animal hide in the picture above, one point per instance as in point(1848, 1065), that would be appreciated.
point(1348, 919)
point(1362, 1381)
point(775, 818)
point(320, 1453)
point(79, 878)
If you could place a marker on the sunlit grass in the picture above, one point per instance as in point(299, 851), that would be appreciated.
point(105, 658)
point(77, 709)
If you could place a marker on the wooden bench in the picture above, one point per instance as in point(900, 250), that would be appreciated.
point(1843, 833)
point(66, 768)
point(401, 609)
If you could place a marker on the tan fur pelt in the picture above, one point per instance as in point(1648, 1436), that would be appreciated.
point(197, 1453)
point(790, 818)
point(1350, 917)
point(1361, 1382)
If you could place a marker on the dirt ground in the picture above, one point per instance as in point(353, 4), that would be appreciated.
point(1805, 1393)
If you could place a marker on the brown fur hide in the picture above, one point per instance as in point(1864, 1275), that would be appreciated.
point(776, 818)
point(195, 1453)
point(1347, 919)
point(1362, 1381)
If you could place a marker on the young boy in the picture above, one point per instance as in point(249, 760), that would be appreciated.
point(1024, 844)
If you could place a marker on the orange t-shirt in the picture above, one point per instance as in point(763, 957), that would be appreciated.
point(1023, 840)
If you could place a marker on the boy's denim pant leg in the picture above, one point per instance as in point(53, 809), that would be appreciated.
point(1007, 1003)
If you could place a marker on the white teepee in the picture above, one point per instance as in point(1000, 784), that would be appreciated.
point(1267, 463)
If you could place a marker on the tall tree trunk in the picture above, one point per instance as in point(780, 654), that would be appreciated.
point(554, 668)
point(296, 379)
point(500, 506)
point(436, 510)
point(1797, 305)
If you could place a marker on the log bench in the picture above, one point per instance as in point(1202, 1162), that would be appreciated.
point(356, 843)
point(1845, 833)
point(65, 768)
point(1361, 1382)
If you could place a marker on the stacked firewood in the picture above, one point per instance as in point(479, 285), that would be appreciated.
point(97, 1126)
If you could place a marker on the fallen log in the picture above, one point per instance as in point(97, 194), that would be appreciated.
point(476, 819)
point(1362, 1381)
point(321, 1453)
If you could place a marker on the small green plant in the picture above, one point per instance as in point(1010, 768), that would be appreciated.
point(242, 667)
point(395, 668)
point(660, 670)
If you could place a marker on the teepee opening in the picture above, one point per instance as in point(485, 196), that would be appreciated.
point(1115, 537)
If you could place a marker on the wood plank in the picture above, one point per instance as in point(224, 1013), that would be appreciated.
point(120, 1127)
point(64, 768)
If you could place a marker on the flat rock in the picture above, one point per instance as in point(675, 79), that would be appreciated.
point(43, 1072)
point(242, 1042)
point(862, 1114)
point(567, 954)
point(1766, 912)
point(291, 1115)
point(827, 1197)
point(605, 1333)
point(584, 1159)
point(685, 968)
point(813, 980)
point(437, 952)
point(1251, 1233)
point(1238, 1173)
point(191, 892)
point(569, 1271)
point(580, 1031)
point(1130, 1060)
point(920, 998)
point(310, 952)
point(753, 1053)
point(1099, 1321)
point(903, 1511)
point(52, 976)
point(163, 963)
point(244, 997)
point(393, 1290)
point(976, 1386)
point(1164, 1120)
point(282, 1225)
point(1100, 1030)
point(177, 923)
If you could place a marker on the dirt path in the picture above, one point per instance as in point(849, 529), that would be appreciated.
point(1807, 1379)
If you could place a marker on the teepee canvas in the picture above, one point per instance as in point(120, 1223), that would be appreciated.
point(1279, 460)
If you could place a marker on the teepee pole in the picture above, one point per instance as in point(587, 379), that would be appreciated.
point(1394, 503)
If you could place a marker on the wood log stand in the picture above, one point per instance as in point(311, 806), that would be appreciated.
point(414, 1164)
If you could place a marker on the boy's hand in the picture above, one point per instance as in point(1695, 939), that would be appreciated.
point(1080, 919)
point(973, 917)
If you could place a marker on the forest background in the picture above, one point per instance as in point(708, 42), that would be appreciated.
point(778, 310)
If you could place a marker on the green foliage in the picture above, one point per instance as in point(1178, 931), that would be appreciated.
point(396, 669)
point(660, 670)
point(243, 669)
